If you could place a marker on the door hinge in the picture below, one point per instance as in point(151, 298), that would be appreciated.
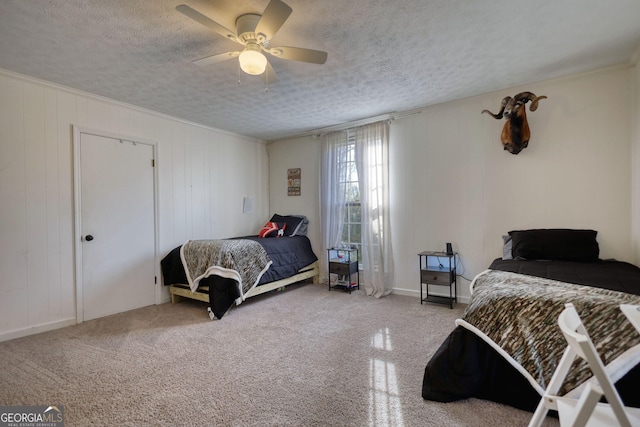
point(155, 279)
point(153, 163)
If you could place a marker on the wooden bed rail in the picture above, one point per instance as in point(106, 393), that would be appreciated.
point(202, 294)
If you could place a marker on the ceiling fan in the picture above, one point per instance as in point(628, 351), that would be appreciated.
point(254, 32)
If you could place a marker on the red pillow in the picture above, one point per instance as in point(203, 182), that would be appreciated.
point(273, 229)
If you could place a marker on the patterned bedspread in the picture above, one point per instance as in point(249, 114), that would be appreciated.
point(244, 261)
point(517, 315)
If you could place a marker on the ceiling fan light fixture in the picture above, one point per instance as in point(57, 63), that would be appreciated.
point(252, 61)
point(254, 33)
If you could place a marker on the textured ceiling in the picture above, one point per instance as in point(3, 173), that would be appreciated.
point(384, 56)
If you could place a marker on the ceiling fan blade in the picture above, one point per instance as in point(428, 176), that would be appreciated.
point(269, 76)
point(207, 22)
point(299, 54)
point(272, 18)
point(214, 59)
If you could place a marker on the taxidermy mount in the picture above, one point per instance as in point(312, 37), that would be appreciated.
point(516, 133)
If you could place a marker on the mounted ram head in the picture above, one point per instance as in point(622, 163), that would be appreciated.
point(516, 133)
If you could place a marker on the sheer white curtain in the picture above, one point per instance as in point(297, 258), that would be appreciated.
point(372, 161)
point(332, 193)
point(372, 165)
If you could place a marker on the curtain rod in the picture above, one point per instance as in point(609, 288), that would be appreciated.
point(317, 133)
point(348, 125)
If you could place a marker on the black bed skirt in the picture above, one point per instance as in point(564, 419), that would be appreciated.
point(466, 366)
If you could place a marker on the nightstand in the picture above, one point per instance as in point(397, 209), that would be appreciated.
point(437, 270)
point(344, 264)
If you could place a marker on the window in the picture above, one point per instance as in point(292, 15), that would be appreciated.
point(352, 228)
point(354, 205)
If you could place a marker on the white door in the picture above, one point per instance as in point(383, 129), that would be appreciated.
point(117, 220)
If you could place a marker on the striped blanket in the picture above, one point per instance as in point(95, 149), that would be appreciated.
point(518, 316)
point(244, 261)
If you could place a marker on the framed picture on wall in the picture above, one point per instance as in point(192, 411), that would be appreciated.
point(293, 182)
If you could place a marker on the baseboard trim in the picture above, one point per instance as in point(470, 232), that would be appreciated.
point(36, 329)
point(416, 294)
point(406, 292)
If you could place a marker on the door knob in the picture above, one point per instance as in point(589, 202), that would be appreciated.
point(88, 237)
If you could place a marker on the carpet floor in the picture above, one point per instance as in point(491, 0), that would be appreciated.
point(300, 357)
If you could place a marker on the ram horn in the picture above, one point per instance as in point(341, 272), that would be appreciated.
point(499, 115)
point(528, 96)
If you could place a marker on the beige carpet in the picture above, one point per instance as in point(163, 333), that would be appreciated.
point(302, 357)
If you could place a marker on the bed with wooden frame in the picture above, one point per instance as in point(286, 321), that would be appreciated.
point(222, 272)
point(182, 290)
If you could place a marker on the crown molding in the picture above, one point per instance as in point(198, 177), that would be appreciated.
point(93, 96)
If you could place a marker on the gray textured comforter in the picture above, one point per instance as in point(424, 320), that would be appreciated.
point(244, 261)
point(517, 315)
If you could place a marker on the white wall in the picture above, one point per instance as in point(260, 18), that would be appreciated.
point(203, 175)
point(452, 182)
point(303, 153)
point(635, 159)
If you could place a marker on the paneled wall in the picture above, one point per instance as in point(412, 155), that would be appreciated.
point(203, 175)
point(452, 182)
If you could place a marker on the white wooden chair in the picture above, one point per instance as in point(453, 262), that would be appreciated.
point(585, 411)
